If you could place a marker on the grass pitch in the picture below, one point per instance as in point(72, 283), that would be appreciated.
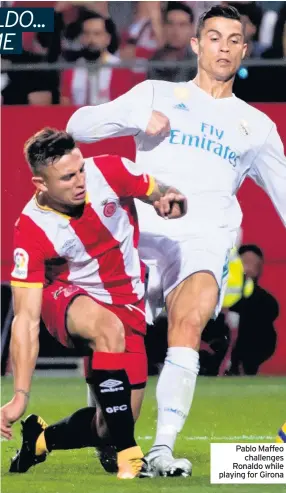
point(241, 409)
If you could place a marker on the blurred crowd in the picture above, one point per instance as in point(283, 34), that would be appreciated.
point(127, 32)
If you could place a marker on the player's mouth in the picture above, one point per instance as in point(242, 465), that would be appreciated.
point(80, 195)
point(223, 61)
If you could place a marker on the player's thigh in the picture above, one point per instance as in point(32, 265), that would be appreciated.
point(89, 320)
point(194, 287)
point(198, 294)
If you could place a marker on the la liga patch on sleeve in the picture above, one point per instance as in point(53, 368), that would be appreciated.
point(21, 261)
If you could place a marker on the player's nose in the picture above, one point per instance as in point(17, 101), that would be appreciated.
point(224, 47)
point(80, 180)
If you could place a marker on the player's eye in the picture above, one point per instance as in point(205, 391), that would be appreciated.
point(214, 39)
point(67, 177)
point(82, 169)
point(235, 41)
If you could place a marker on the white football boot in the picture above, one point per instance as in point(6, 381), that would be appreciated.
point(160, 462)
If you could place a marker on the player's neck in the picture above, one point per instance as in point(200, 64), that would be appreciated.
point(215, 88)
point(46, 201)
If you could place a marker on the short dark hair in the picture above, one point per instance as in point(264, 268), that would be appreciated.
point(179, 6)
point(46, 146)
point(217, 11)
point(251, 248)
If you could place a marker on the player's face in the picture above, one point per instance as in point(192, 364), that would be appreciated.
point(252, 264)
point(178, 29)
point(220, 47)
point(94, 35)
point(64, 180)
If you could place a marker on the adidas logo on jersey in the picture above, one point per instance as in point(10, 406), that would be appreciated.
point(110, 385)
point(181, 106)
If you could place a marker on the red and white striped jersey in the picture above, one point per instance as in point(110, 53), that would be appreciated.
point(81, 87)
point(97, 251)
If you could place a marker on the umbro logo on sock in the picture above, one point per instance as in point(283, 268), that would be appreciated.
point(181, 106)
point(111, 385)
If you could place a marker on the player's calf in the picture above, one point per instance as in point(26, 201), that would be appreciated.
point(113, 393)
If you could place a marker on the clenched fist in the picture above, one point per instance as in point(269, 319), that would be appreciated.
point(159, 124)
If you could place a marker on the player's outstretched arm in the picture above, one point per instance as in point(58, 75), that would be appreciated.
point(129, 114)
point(24, 348)
point(168, 202)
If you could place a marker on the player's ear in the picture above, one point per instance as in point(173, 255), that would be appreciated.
point(39, 183)
point(195, 45)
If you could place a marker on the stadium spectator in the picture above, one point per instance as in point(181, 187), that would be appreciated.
point(267, 27)
point(178, 30)
point(79, 86)
point(251, 15)
point(256, 339)
point(71, 36)
point(278, 48)
point(145, 35)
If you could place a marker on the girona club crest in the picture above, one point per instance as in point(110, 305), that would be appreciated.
point(109, 208)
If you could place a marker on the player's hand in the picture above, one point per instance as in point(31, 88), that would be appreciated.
point(172, 205)
point(11, 412)
point(159, 124)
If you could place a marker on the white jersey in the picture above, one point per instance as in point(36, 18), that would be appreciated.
point(213, 145)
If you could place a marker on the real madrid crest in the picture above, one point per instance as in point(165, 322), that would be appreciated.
point(182, 92)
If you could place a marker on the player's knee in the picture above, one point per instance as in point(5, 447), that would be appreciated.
point(187, 329)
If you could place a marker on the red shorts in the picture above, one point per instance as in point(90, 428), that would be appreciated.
point(56, 300)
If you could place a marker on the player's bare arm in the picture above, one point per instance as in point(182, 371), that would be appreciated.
point(167, 201)
point(24, 349)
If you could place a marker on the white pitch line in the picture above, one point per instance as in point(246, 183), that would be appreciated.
point(214, 438)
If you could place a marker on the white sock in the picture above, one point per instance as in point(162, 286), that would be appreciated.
point(175, 390)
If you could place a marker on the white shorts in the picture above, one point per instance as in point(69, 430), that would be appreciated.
point(178, 258)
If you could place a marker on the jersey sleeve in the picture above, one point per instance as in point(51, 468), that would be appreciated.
point(127, 115)
point(124, 177)
point(269, 171)
point(29, 259)
point(134, 183)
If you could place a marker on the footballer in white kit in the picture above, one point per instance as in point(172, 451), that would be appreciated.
point(214, 140)
point(212, 146)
